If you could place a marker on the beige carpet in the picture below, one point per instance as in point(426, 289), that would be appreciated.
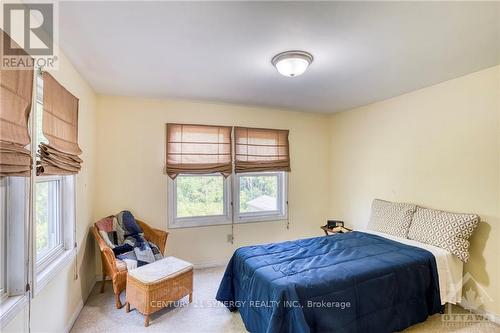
point(205, 315)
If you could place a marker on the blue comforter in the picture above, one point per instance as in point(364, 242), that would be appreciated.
point(352, 282)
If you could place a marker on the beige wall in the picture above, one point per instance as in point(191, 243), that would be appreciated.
point(55, 307)
point(131, 155)
point(437, 147)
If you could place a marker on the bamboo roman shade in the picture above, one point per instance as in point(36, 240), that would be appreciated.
point(198, 149)
point(16, 89)
point(60, 126)
point(260, 149)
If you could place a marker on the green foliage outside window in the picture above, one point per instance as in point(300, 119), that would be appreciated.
point(42, 217)
point(200, 195)
point(204, 195)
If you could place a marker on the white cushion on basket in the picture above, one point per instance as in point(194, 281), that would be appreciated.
point(160, 270)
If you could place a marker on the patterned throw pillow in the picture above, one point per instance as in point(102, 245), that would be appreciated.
point(392, 218)
point(450, 231)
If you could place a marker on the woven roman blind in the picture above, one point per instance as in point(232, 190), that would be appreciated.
point(260, 149)
point(60, 126)
point(16, 90)
point(198, 149)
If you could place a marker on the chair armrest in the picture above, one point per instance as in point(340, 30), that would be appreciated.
point(107, 254)
point(156, 236)
point(110, 260)
point(160, 239)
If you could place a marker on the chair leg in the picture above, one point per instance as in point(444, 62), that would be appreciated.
point(146, 321)
point(127, 307)
point(190, 297)
point(103, 282)
point(118, 303)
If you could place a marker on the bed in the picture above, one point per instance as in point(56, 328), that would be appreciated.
point(352, 282)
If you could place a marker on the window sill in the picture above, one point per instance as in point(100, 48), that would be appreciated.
point(207, 223)
point(49, 272)
point(10, 307)
point(197, 224)
point(255, 219)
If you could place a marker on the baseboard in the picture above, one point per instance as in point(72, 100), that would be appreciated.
point(98, 278)
point(74, 316)
point(491, 316)
point(210, 264)
point(77, 311)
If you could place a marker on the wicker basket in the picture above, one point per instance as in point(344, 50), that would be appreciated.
point(147, 298)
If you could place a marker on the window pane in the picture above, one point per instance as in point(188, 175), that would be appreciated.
point(258, 193)
point(48, 227)
point(39, 137)
point(200, 195)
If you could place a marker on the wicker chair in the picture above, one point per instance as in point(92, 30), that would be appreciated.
point(109, 263)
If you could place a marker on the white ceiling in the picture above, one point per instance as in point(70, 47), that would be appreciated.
point(221, 51)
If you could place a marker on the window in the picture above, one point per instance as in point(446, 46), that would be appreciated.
point(48, 207)
point(261, 196)
point(198, 200)
point(48, 223)
point(202, 200)
point(53, 226)
point(54, 212)
point(198, 156)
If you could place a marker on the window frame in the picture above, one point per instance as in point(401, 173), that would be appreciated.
point(263, 216)
point(16, 254)
point(59, 257)
point(197, 221)
point(230, 204)
point(52, 254)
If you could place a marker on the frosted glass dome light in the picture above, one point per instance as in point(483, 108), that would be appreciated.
point(292, 63)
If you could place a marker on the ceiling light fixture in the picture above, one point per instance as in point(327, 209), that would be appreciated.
point(292, 63)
